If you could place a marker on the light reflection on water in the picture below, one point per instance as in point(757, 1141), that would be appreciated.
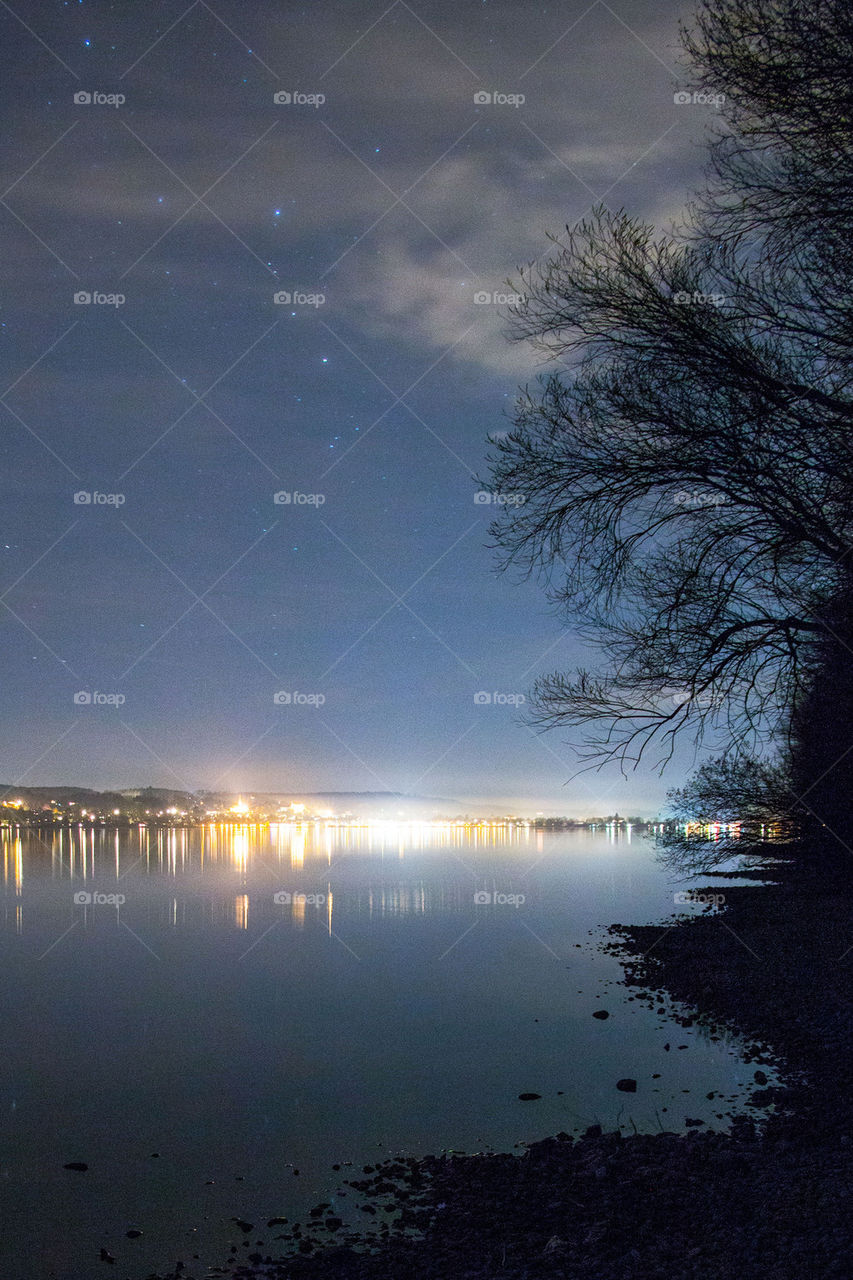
point(297, 995)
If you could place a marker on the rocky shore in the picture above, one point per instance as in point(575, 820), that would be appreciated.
point(771, 1200)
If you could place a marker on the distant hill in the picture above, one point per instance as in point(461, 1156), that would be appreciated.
point(383, 804)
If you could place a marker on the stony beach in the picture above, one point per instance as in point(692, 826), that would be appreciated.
point(769, 1200)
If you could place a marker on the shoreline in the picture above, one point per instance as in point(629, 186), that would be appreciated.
point(770, 1200)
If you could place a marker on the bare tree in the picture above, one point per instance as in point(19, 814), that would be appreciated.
point(683, 477)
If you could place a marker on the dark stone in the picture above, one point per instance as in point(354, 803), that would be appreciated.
point(627, 1085)
point(601, 1014)
point(133, 1233)
point(78, 1165)
point(529, 1097)
point(276, 1222)
point(105, 1256)
point(244, 1226)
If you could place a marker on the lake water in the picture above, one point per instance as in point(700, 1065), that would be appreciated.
point(239, 1030)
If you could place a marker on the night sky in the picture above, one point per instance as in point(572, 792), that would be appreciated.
point(183, 586)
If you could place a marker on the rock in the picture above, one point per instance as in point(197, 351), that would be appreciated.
point(529, 1097)
point(627, 1085)
point(106, 1256)
point(133, 1234)
point(602, 1014)
point(76, 1164)
point(554, 1244)
point(244, 1226)
point(276, 1222)
point(692, 1123)
point(760, 1077)
point(334, 1224)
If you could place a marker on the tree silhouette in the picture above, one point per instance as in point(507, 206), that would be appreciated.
point(683, 477)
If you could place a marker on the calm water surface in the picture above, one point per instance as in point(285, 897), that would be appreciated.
point(265, 999)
